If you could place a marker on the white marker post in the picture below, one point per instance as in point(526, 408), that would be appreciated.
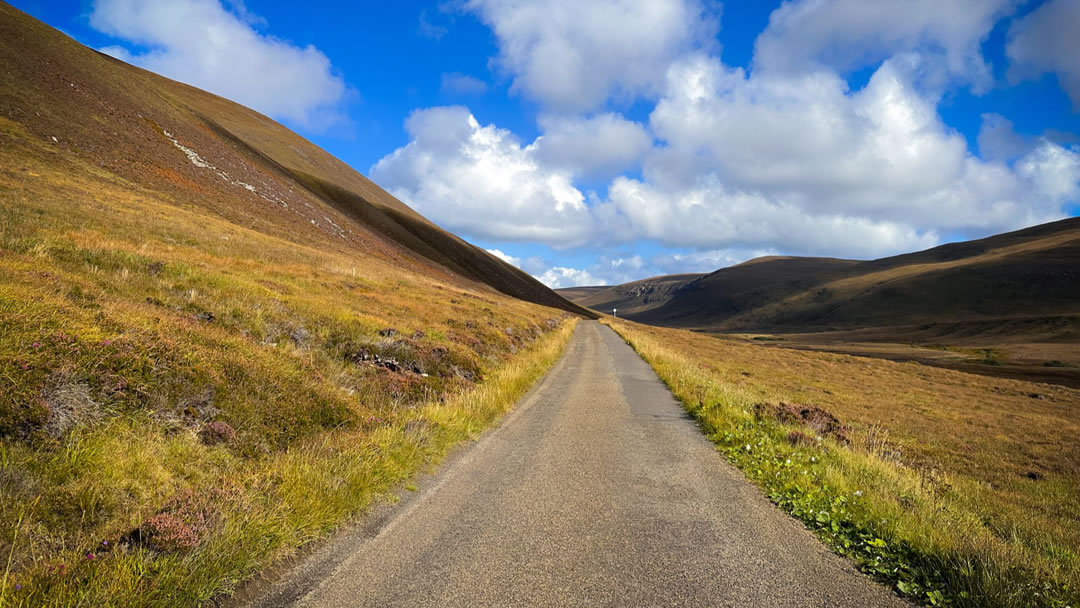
point(615, 312)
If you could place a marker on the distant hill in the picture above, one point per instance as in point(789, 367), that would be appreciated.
point(1028, 273)
point(629, 298)
point(578, 293)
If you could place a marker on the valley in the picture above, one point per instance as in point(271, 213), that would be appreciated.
point(236, 371)
point(1006, 306)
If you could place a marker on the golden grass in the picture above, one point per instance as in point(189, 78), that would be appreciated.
point(264, 508)
point(185, 400)
point(932, 495)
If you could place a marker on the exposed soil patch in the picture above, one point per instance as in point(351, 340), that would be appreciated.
point(410, 356)
point(199, 406)
point(820, 421)
point(370, 354)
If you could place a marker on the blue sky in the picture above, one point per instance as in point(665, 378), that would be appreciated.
point(612, 140)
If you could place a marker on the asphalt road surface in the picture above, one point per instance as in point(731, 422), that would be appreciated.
point(597, 491)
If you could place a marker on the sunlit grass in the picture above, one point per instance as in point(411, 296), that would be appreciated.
point(932, 495)
point(185, 400)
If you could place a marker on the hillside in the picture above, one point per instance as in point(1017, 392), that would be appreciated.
point(218, 343)
point(207, 152)
point(576, 294)
point(629, 298)
point(1030, 273)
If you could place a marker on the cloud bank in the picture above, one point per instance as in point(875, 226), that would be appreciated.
point(782, 156)
point(871, 172)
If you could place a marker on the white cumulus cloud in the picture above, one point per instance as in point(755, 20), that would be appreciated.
point(572, 55)
point(711, 216)
point(509, 259)
point(795, 163)
point(600, 146)
point(560, 276)
point(203, 44)
point(786, 157)
point(800, 163)
point(481, 181)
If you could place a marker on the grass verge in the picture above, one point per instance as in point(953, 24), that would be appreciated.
point(234, 516)
point(941, 536)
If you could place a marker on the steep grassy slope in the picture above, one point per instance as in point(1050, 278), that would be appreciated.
point(208, 152)
point(1023, 274)
point(217, 343)
point(957, 489)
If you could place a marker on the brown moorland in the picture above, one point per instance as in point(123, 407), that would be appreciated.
point(956, 488)
point(217, 342)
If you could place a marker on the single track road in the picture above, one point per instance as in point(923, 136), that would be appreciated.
point(598, 490)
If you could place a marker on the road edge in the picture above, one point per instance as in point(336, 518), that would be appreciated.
point(289, 581)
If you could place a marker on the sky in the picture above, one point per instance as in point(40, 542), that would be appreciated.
point(603, 141)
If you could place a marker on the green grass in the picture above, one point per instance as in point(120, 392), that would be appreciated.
point(966, 532)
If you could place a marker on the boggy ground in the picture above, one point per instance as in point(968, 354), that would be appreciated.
point(956, 488)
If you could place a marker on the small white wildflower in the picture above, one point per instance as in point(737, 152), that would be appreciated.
point(858, 492)
point(788, 461)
